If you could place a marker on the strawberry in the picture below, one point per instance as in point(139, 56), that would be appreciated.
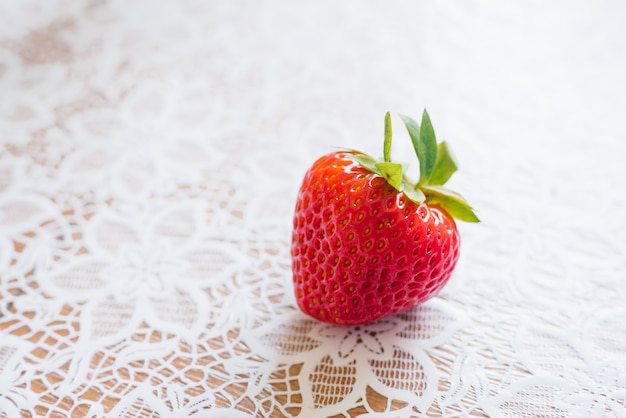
point(368, 242)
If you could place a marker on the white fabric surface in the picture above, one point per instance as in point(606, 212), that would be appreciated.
point(150, 155)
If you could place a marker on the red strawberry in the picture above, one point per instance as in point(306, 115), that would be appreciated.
point(367, 242)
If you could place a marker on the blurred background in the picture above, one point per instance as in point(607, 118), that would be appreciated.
point(504, 81)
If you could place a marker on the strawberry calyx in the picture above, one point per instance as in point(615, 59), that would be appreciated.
point(437, 164)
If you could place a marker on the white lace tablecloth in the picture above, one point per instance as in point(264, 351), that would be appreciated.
point(150, 155)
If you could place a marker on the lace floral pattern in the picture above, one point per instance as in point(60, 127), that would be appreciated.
point(150, 154)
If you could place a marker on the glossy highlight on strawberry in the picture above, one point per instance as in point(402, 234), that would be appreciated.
point(364, 246)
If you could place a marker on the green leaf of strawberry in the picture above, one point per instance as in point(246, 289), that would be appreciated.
point(445, 165)
point(415, 195)
point(427, 154)
point(453, 202)
point(367, 241)
point(387, 142)
point(392, 172)
point(366, 161)
point(437, 164)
